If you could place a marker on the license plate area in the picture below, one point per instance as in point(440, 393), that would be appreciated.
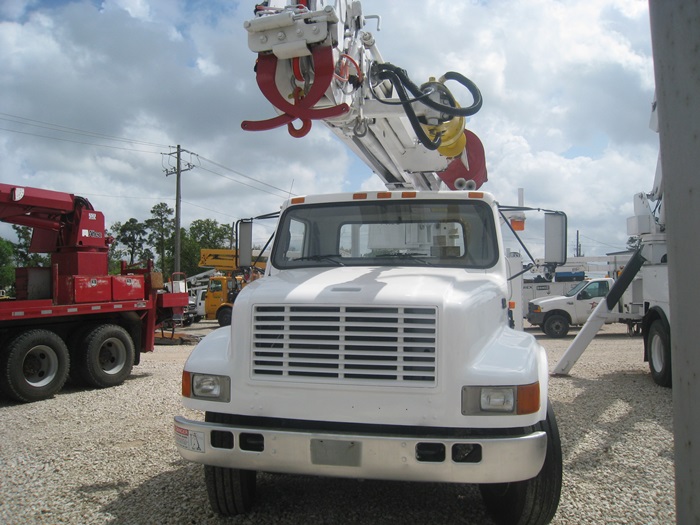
point(336, 452)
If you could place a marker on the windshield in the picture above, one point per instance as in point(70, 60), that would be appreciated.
point(402, 233)
point(576, 289)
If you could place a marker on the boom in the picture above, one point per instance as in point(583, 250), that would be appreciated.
point(316, 61)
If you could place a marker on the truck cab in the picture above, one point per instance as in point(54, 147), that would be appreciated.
point(377, 346)
point(554, 315)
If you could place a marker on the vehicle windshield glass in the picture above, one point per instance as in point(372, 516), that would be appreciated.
point(402, 233)
point(576, 289)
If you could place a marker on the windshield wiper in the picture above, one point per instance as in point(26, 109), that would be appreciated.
point(332, 257)
point(407, 255)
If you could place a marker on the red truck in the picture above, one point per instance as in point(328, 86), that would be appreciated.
point(73, 319)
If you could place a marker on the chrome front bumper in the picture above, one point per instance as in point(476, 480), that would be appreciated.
point(491, 459)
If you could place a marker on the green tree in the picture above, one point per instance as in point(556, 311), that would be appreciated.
point(23, 257)
point(160, 232)
point(132, 235)
point(7, 266)
point(210, 234)
point(116, 252)
point(189, 253)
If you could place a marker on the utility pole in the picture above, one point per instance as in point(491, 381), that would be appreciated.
point(177, 170)
point(675, 42)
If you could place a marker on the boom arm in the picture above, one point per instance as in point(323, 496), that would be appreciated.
point(316, 62)
point(60, 221)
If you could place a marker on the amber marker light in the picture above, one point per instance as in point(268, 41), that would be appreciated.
point(528, 398)
point(186, 384)
point(298, 200)
point(359, 196)
point(476, 194)
point(408, 194)
point(384, 195)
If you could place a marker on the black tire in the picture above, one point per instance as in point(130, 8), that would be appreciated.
point(107, 356)
point(556, 326)
point(533, 501)
point(197, 318)
point(231, 491)
point(187, 322)
point(224, 316)
point(34, 365)
point(659, 353)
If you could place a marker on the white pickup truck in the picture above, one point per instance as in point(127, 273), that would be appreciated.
point(377, 346)
point(554, 315)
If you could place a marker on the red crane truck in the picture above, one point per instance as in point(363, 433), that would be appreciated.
point(73, 318)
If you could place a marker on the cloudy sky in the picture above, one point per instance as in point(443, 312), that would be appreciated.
point(95, 94)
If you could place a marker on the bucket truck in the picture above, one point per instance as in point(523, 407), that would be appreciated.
point(650, 263)
point(378, 343)
point(72, 318)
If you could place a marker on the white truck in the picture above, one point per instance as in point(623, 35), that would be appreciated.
point(378, 343)
point(556, 314)
point(647, 273)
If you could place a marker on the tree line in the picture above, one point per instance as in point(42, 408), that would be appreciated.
point(134, 241)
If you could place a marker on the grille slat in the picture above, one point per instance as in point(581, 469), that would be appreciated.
point(346, 344)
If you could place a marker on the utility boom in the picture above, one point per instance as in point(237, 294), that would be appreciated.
point(72, 317)
point(316, 61)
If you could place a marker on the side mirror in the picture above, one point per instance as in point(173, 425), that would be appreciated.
point(554, 238)
point(245, 243)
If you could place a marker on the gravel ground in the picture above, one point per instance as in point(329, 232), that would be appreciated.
point(107, 456)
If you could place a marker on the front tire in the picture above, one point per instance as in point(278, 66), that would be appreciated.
point(556, 326)
point(34, 366)
point(224, 316)
point(659, 353)
point(231, 491)
point(107, 356)
point(533, 501)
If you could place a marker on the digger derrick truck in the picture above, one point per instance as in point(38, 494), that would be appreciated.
point(72, 318)
point(378, 343)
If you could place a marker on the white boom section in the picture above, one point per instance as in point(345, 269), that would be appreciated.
point(316, 61)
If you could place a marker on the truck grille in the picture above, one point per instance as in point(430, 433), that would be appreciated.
point(346, 344)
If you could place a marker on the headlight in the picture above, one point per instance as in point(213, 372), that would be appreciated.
point(536, 308)
point(206, 386)
point(495, 400)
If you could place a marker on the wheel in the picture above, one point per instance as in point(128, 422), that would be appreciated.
point(556, 326)
point(187, 322)
point(533, 501)
point(197, 318)
point(34, 366)
point(107, 356)
point(231, 491)
point(659, 353)
point(224, 316)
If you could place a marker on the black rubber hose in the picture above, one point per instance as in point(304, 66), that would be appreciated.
point(419, 94)
point(391, 76)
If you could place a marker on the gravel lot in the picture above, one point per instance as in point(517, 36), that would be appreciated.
point(107, 456)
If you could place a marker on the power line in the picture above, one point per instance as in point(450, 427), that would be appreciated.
point(286, 192)
point(76, 141)
point(76, 131)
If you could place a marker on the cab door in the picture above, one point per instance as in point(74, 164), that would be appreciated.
point(588, 298)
